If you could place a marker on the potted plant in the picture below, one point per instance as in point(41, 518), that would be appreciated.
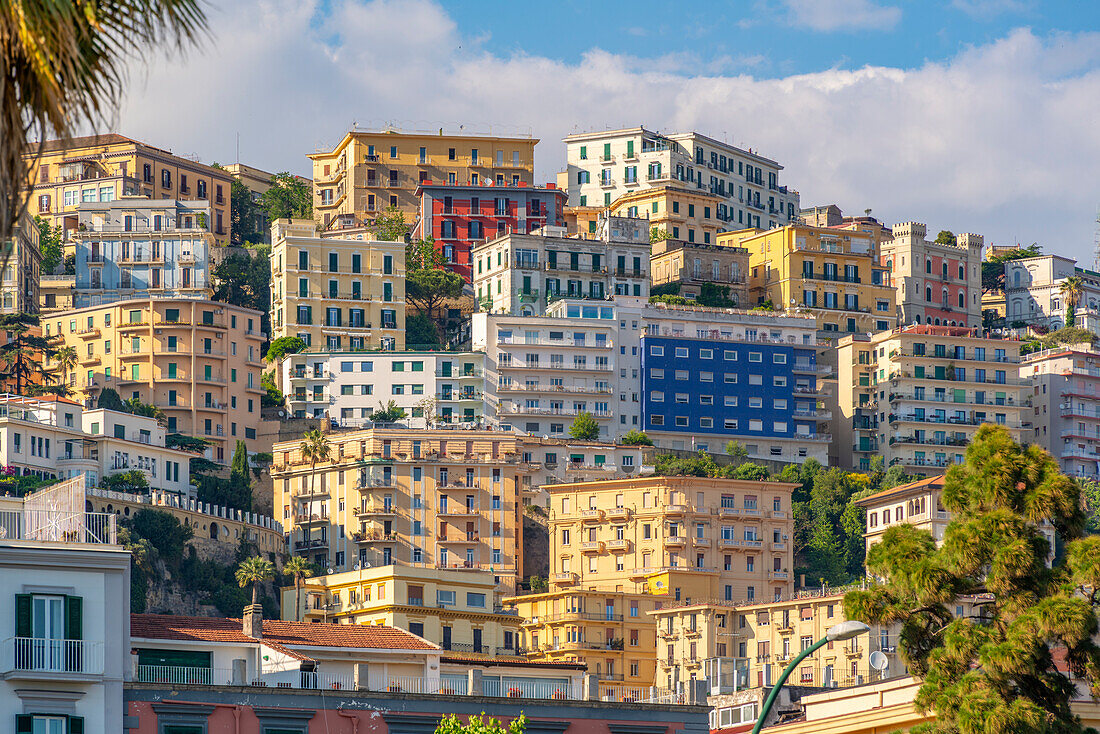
point(515, 693)
point(558, 695)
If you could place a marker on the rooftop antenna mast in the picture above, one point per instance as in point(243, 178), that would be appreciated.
point(1096, 242)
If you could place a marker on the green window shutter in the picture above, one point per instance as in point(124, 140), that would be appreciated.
point(76, 725)
point(960, 396)
point(22, 615)
point(24, 724)
point(74, 618)
point(607, 150)
point(584, 152)
point(918, 371)
point(630, 149)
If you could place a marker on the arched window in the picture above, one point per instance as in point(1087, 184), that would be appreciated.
point(962, 300)
point(962, 273)
point(1016, 278)
point(928, 266)
point(928, 293)
point(214, 531)
point(918, 318)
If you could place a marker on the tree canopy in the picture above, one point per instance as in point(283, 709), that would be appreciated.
point(290, 197)
point(50, 242)
point(390, 226)
point(635, 438)
point(283, 346)
point(584, 427)
point(993, 268)
point(244, 279)
point(996, 669)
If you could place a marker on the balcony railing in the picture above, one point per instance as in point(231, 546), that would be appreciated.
point(97, 528)
point(52, 656)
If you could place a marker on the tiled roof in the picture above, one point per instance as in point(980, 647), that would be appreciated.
point(86, 141)
point(277, 634)
point(935, 482)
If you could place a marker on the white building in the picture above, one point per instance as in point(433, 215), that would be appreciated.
point(522, 273)
point(1033, 294)
point(602, 166)
point(347, 387)
point(562, 460)
point(67, 647)
point(1065, 406)
point(56, 438)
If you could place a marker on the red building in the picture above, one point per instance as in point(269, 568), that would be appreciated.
point(457, 215)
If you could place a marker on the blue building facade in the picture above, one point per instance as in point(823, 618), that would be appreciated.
point(710, 391)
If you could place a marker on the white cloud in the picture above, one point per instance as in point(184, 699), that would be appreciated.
point(842, 15)
point(999, 140)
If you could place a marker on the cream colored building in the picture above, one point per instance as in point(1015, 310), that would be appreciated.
point(458, 609)
point(1033, 293)
point(689, 537)
point(103, 168)
point(19, 286)
point(561, 460)
point(691, 265)
point(1064, 391)
point(855, 430)
point(683, 212)
point(437, 498)
point(336, 293)
point(197, 360)
point(56, 294)
point(368, 171)
point(833, 274)
point(611, 632)
point(936, 283)
point(934, 386)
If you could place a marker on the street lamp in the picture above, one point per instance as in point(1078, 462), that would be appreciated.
point(836, 633)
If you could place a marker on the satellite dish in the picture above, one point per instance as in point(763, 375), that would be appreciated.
point(878, 660)
point(330, 570)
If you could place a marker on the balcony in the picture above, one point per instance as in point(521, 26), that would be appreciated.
point(676, 509)
point(618, 513)
point(592, 546)
point(778, 575)
point(592, 515)
point(37, 658)
point(618, 546)
point(567, 578)
point(372, 509)
point(676, 541)
point(729, 512)
point(460, 511)
point(470, 538)
point(374, 537)
point(312, 544)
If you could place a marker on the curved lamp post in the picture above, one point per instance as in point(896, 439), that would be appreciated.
point(836, 633)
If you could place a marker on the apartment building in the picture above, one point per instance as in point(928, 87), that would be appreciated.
point(22, 273)
point(257, 181)
point(67, 647)
point(713, 375)
point(934, 386)
point(57, 438)
point(521, 274)
point(604, 165)
point(689, 267)
point(458, 609)
point(855, 404)
point(833, 274)
point(56, 293)
point(439, 498)
point(433, 388)
point(197, 360)
point(142, 248)
point(357, 286)
point(543, 371)
point(102, 168)
point(936, 283)
point(689, 537)
point(459, 216)
point(678, 212)
point(561, 460)
point(736, 647)
point(1064, 389)
point(610, 631)
point(368, 171)
point(1034, 297)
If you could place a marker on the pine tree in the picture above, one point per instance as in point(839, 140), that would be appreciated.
point(995, 672)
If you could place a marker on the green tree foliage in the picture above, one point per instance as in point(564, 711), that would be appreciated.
point(289, 197)
point(584, 427)
point(273, 397)
point(133, 481)
point(993, 269)
point(672, 300)
point(109, 400)
point(66, 360)
point(390, 226)
point(22, 356)
point(699, 465)
point(244, 278)
point(665, 289)
point(656, 234)
point(715, 296)
point(163, 531)
point(946, 237)
point(996, 672)
point(253, 572)
point(421, 331)
point(243, 215)
point(428, 285)
point(635, 438)
point(134, 406)
point(283, 346)
point(737, 451)
point(388, 412)
point(1090, 492)
point(753, 472)
point(298, 570)
point(450, 724)
point(185, 443)
point(50, 242)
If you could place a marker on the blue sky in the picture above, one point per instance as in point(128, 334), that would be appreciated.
point(969, 115)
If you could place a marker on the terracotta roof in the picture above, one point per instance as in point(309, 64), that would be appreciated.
point(935, 482)
point(277, 634)
point(86, 141)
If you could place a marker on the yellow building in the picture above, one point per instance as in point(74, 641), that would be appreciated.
point(459, 610)
point(437, 498)
point(56, 293)
point(691, 265)
point(611, 632)
point(931, 387)
point(19, 288)
point(369, 171)
point(685, 213)
point(336, 293)
point(197, 360)
point(831, 273)
point(689, 537)
point(101, 168)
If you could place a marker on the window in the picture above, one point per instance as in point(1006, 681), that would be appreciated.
point(475, 600)
point(445, 598)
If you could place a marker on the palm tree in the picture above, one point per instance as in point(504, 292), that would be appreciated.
point(66, 360)
point(1072, 289)
point(315, 448)
point(255, 571)
point(65, 65)
point(299, 569)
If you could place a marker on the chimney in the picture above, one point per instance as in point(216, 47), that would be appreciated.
point(254, 621)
